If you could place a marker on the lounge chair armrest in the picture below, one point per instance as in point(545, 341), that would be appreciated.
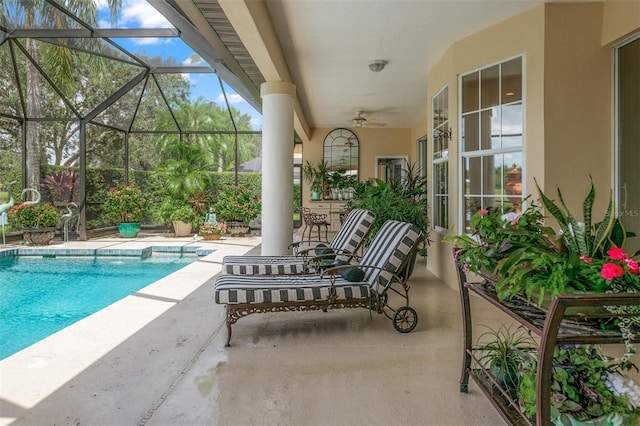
point(335, 251)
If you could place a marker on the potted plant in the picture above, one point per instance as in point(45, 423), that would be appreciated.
point(502, 352)
point(237, 206)
point(37, 221)
point(179, 213)
point(212, 231)
point(316, 177)
point(126, 206)
point(586, 389)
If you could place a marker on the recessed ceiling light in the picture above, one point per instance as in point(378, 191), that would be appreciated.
point(509, 94)
point(377, 65)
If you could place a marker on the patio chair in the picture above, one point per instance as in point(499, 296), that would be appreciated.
point(314, 220)
point(387, 263)
point(347, 240)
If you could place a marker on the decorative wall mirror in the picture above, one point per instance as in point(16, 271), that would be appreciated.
point(341, 153)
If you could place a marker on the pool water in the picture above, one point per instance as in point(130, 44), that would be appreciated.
point(39, 296)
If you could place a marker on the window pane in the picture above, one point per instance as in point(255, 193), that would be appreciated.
point(490, 126)
point(440, 189)
point(490, 86)
point(472, 176)
point(511, 126)
point(491, 184)
point(470, 92)
point(512, 178)
point(472, 205)
point(470, 129)
point(512, 81)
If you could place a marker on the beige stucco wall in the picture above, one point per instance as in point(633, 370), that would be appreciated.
point(621, 19)
point(568, 72)
point(374, 141)
point(521, 35)
point(578, 136)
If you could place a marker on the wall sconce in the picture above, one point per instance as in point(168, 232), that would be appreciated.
point(439, 133)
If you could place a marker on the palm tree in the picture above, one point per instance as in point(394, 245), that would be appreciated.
point(40, 14)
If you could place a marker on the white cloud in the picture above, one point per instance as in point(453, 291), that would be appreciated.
point(232, 97)
point(256, 122)
point(135, 14)
point(142, 41)
point(194, 59)
point(140, 13)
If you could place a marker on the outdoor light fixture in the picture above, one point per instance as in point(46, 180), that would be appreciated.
point(439, 133)
point(377, 65)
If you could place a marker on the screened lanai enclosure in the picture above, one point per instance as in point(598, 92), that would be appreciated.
point(96, 93)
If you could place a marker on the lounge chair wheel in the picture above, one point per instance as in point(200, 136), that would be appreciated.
point(405, 319)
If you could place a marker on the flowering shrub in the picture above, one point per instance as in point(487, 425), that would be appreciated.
point(584, 386)
point(237, 203)
point(126, 204)
point(34, 216)
point(213, 228)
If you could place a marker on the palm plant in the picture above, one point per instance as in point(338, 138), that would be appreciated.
point(59, 59)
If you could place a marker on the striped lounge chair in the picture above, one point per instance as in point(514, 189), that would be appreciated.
point(347, 240)
point(387, 263)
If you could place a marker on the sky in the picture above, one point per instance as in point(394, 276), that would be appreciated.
point(140, 14)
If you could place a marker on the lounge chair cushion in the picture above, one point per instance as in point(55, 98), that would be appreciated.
point(234, 289)
point(264, 265)
point(348, 239)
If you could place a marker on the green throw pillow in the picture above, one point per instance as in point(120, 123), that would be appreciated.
point(355, 275)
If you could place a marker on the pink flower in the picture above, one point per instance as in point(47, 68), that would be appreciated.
point(632, 265)
point(483, 212)
point(586, 258)
point(616, 253)
point(610, 271)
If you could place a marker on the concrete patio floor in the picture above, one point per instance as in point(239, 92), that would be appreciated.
point(158, 358)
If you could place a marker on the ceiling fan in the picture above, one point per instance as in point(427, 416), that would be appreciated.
point(360, 121)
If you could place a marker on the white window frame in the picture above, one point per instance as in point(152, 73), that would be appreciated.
point(444, 158)
point(488, 152)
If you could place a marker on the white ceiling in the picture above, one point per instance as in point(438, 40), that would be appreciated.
point(328, 44)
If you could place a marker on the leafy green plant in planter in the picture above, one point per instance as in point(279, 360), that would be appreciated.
point(126, 204)
point(33, 216)
point(391, 203)
point(503, 353)
point(238, 204)
point(585, 387)
point(317, 177)
point(172, 210)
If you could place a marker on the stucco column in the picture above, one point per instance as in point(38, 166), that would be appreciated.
point(277, 167)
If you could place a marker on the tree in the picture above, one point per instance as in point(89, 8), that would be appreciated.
point(39, 14)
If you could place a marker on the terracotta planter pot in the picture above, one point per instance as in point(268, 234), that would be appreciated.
point(212, 236)
point(39, 236)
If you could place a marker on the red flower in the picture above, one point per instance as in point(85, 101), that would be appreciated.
point(586, 258)
point(616, 253)
point(610, 271)
point(483, 212)
point(632, 265)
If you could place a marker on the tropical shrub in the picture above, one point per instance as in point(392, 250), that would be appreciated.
point(126, 204)
point(25, 215)
point(237, 203)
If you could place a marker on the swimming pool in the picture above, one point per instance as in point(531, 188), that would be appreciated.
point(40, 295)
